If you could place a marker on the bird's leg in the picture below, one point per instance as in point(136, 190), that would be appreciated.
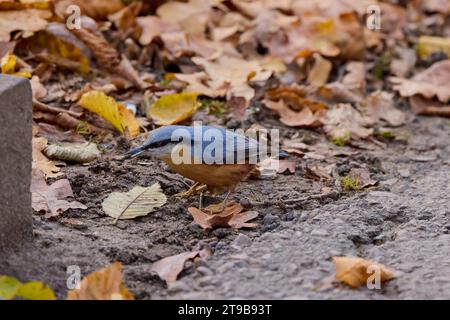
point(224, 202)
point(200, 201)
point(196, 187)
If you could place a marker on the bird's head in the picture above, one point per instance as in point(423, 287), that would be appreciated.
point(161, 142)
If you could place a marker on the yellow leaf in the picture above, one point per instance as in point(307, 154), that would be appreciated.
point(8, 63)
point(8, 287)
point(35, 291)
point(428, 45)
point(11, 287)
point(173, 108)
point(356, 271)
point(103, 284)
point(108, 108)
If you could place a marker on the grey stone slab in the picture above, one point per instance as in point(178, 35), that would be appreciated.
point(15, 162)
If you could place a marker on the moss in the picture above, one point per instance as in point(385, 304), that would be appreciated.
point(341, 141)
point(388, 135)
point(214, 106)
point(383, 64)
point(350, 184)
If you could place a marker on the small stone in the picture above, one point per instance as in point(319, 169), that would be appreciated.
point(242, 241)
point(404, 173)
point(205, 271)
point(319, 232)
point(178, 286)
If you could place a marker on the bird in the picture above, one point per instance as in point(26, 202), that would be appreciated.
point(216, 159)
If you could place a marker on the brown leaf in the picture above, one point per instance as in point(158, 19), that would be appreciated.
point(304, 118)
point(104, 284)
point(152, 27)
point(363, 177)
point(215, 216)
point(38, 88)
point(98, 9)
point(108, 57)
point(169, 268)
point(27, 21)
point(380, 106)
point(270, 167)
point(40, 161)
point(344, 122)
point(421, 105)
point(356, 271)
point(50, 199)
point(433, 82)
point(231, 76)
point(319, 73)
point(356, 76)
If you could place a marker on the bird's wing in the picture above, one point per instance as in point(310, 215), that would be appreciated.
point(221, 146)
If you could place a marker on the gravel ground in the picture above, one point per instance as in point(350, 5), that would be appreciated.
point(403, 223)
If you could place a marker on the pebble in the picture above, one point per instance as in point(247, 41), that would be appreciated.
point(205, 271)
point(319, 232)
point(242, 241)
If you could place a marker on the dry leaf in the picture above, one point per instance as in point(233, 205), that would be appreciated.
point(304, 118)
point(427, 45)
point(433, 82)
point(106, 107)
point(231, 76)
point(169, 268)
point(216, 216)
point(27, 21)
point(98, 9)
point(74, 152)
point(356, 271)
point(344, 122)
point(39, 91)
point(173, 108)
point(137, 202)
point(380, 106)
point(152, 27)
point(50, 199)
point(196, 83)
point(40, 161)
point(356, 76)
point(362, 176)
point(104, 284)
point(319, 73)
point(270, 167)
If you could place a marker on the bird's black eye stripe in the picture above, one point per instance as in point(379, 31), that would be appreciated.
point(159, 144)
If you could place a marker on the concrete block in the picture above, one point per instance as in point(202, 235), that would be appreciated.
point(15, 162)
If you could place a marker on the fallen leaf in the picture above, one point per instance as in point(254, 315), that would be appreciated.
point(304, 118)
point(10, 288)
point(38, 88)
point(104, 284)
point(320, 71)
point(231, 76)
point(173, 108)
point(152, 27)
point(270, 167)
point(50, 199)
point(421, 105)
point(27, 21)
point(137, 202)
point(362, 176)
point(98, 9)
point(356, 76)
point(433, 82)
point(40, 161)
point(196, 84)
point(344, 122)
point(106, 107)
point(380, 105)
point(169, 268)
point(296, 98)
point(217, 216)
point(74, 152)
point(356, 271)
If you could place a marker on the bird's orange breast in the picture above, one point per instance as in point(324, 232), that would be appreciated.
point(215, 176)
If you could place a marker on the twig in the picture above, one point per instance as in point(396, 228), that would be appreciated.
point(40, 106)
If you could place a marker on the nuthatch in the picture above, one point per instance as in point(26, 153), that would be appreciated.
point(215, 157)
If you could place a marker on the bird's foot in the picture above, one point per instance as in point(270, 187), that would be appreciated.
point(197, 187)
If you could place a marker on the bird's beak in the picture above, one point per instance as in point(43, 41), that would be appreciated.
point(133, 153)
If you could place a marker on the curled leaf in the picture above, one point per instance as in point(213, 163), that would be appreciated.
point(217, 216)
point(356, 271)
point(169, 268)
point(173, 108)
point(138, 202)
point(106, 107)
point(76, 152)
point(103, 284)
